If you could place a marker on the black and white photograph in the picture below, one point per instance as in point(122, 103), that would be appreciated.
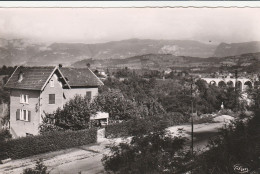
point(120, 90)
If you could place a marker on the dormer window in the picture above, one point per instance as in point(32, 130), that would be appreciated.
point(52, 83)
point(24, 98)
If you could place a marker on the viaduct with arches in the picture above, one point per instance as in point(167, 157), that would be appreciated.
point(242, 83)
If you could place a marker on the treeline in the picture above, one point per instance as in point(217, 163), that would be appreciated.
point(175, 95)
point(4, 70)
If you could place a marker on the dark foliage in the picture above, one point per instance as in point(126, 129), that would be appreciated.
point(52, 141)
point(4, 70)
point(175, 118)
point(40, 168)
point(156, 152)
point(75, 115)
point(5, 135)
point(133, 127)
point(4, 96)
point(238, 143)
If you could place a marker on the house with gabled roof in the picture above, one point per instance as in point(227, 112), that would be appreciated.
point(35, 91)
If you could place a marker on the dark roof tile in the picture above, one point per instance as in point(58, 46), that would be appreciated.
point(80, 77)
point(34, 78)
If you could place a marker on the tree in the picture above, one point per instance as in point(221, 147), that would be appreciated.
point(118, 107)
point(75, 115)
point(5, 135)
point(156, 152)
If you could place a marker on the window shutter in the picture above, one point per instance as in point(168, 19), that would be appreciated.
point(29, 115)
point(18, 114)
point(27, 98)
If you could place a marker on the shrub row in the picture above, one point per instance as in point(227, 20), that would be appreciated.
point(143, 126)
point(52, 141)
point(117, 130)
point(134, 127)
point(175, 118)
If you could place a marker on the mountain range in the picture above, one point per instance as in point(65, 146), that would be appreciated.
point(25, 52)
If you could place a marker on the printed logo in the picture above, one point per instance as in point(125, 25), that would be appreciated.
point(240, 168)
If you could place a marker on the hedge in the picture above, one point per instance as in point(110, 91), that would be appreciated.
point(134, 127)
point(52, 141)
point(117, 130)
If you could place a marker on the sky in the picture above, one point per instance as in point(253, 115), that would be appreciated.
point(97, 25)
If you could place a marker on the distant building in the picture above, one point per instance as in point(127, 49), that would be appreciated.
point(35, 91)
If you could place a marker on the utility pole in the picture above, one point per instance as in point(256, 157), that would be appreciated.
point(191, 116)
point(236, 89)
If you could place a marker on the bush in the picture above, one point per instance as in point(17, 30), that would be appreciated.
point(117, 130)
point(175, 118)
point(136, 126)
point(226, 112)
point(153, 153)
point(40, 168)
point(5, 135)
point(52, 141)
point(139, 126)
point(75, 115)
point(204, 119)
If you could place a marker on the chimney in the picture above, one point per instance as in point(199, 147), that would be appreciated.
point(60, 65)
point(20, 76)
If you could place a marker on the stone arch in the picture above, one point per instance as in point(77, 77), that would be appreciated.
point(239, 85)
point(230, 84)
point(221, 84)
point(213, 82)
point(248, 84)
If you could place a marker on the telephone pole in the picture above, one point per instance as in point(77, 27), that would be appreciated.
point(191, 116)
point(236, 90)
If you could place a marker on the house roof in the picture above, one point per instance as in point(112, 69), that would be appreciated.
point(80, 77)
point(33, 77)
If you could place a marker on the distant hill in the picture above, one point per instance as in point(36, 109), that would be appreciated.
point(20, 51)
point(181, 52)
point(133, 47)
point(151, 61)
point(224, 49)
point(246, 62)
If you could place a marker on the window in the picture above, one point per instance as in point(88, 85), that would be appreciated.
point(88, 95)
point(23, 114)
point(24, 98)
point(51, 98)
point(52, 83)
point(29, 135)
